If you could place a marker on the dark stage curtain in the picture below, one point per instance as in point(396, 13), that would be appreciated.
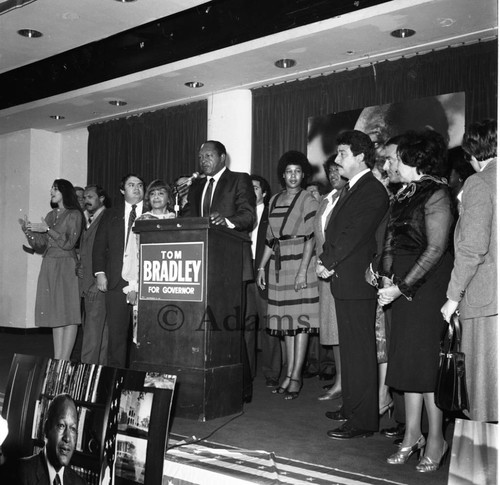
point(280, 112)
point(161, 144)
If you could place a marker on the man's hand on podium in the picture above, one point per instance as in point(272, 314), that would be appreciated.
point(217, 219)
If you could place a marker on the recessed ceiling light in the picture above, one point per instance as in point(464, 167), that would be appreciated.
point(403, 33)
point(117, 102)
point(126, 1)
point(194, 84)
point(30, 33)
point(57, 117)
point(285, 63)
point(446, 22)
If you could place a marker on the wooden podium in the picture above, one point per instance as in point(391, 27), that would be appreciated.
point(190, 312)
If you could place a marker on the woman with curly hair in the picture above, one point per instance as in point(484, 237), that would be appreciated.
point(293, 286)
point(415, 269)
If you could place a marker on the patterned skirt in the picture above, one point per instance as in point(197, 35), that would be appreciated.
point(290, 312)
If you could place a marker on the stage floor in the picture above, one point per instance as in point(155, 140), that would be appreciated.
point(204, 462)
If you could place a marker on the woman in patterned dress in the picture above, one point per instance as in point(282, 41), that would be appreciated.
point(293, 301)
point(57, 294)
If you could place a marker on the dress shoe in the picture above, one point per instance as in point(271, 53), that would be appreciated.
point(290, 395)
point(281, 389)
point(427, 465)
point(327, 387)
point(404, 453)
point(272, 382)
point(347, 431)
point(397, 431)
point(336, 415)
point(386, 408)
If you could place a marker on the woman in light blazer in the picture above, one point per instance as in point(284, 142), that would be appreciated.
point(473, 285)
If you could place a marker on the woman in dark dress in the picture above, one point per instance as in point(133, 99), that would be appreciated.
point(415, 269)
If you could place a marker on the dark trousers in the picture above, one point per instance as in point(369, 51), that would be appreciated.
point(119, 317)
point(95, 330)
point(356, 322)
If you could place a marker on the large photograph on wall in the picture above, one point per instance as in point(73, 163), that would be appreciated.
point(444, 114)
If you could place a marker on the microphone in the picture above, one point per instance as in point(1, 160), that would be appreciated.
point(189, 180)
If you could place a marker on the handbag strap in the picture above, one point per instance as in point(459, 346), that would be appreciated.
point(454, 335)
point(458, 332)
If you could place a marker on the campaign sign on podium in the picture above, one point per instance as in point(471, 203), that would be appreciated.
point(172, 271)
point(190, 320)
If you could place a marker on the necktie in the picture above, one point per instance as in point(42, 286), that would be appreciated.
point(343, 192)
point(208, 198)
point(90, 219)
point(131, 219)
point(57, 480)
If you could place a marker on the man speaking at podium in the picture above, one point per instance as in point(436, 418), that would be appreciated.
point(228, 199)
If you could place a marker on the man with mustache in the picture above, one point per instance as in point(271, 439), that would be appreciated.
point(52, 465)
point(95, 329)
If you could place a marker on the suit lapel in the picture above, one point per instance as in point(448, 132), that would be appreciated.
point(197, 190)
point(219, 188)
point(352, 191)
point(42, 472)
point(93, 227)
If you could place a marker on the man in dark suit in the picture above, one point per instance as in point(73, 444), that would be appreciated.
point(228, 199)
point(224, 196)
point(108, 255)
point(51, 465)
point(256, 307)
point(348, 250)
point(95, 329)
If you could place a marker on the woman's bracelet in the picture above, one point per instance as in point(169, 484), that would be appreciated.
point(261, 269)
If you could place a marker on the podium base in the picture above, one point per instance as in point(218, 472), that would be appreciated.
point(203, 394)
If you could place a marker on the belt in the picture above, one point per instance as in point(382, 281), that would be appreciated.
point(274, 244)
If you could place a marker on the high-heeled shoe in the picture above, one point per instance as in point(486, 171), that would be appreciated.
point(426, 464)
point(280, 389)
point(329, 395)
point(404, 453)
point(293, 394)
point(387, 408)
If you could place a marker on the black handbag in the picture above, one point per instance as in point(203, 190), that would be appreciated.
point(451, 388)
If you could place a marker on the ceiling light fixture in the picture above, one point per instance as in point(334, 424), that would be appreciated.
point(117, 102)
point(285, 63)
point(194, 84)
point(126, 1)
point(30, 33)
point(57, 117)
point(403, 33)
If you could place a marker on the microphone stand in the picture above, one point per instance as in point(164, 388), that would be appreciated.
point(176, 206)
